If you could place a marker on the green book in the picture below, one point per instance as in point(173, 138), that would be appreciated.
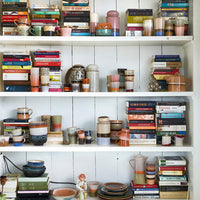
point(46, 12)
point(43, 178)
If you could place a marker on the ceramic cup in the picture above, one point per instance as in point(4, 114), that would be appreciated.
point(47, 119)
point(22, 21)
point(49, 30)
point(18, 139)
point(36, 31)
point(24, 113)
point(56, 122)
point(17, 132)
point(72, 134)
point(4, 140)
point(23, 30)
point(65, 31)
point(93, 187)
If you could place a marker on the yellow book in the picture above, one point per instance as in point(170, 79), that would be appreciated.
point(161, 77)
point(137, 19)
point(171, 173)
point(16, 67)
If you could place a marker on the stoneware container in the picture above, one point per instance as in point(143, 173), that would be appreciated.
point(64, 193)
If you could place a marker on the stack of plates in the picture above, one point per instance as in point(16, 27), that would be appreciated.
point(114, 191)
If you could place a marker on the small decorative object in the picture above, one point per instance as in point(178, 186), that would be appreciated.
point(45, 79)
point(114, 82)
point(86, 85)
point(148, 27)
point(93, 187)
point(82, 187)
point(169, 28)
point(104, 29)
point(81, 136)
point(129, 80)
point(121, 72)
point(153, 84)
point(88, 137)
point(24, 113)
point(35, 79)
point(3, 180)
point(92, 73)
point(124, 138)
point(159, 26)
point(179, 27)
point(56, 123)
point(150, 172)
point(94, 20)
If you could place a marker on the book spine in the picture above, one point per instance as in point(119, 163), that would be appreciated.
point(13, 17)
point(174, 5)
point(171, 128)
point(16, 88)
point(76, 13)
point(143, 131)
point(172, 178)
point(75, 8)
point(142, 136)
point(16, 60)
point(173, 121)
point(15, 67)
point(142, 127)
point(173, 14)
point(171, 173)
point(167, 60)
point(134, 104)
point(170, 109)
point(173, 188)
point(172, 168)
point(76, 19)
point(142, 141)
point(16, 63)
point(15, 76)
point(47, 56)
point(170, 115)
point(170, 133)
point(175, 9)
point(15, 13)
point(141, 124)
point(46, 53)
point(172, 183)
point(46, 12)
point(47, 63)
point(140, 109)
point(174, 1)
point(140, 117)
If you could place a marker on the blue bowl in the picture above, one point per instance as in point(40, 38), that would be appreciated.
point(30, 172)
point(38, 140)
point(35, 163)
point(103, 32)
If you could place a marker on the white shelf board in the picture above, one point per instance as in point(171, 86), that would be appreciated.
point(99, 41)
point(96, 94)
point(94, 148)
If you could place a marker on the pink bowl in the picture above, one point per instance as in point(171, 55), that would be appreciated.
point(114, 78)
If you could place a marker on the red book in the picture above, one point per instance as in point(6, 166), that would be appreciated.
point(47, 56)
point(141, 124)
point(16, 59)
point(16, 70)
point(47, 64)
point(13, 16)
point(172, 168)
point(55, 89)
point(165, 73)
point(50, 51)
point(44, 21)
point(139, 186)
point(143, 109)
point(19, 125)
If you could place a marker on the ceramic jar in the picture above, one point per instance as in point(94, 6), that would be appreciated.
point(114, 20)
point(77, 73)
point(103, 131)
point(92, 73)
point(116, 126)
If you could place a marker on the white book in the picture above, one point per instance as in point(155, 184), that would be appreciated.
point(15, 76)
point(142, 141)
point(171, 128)
point(172, 183)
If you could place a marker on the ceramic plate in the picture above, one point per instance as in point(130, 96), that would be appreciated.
point(115, 187)
point(126, 196)
point(105, 191)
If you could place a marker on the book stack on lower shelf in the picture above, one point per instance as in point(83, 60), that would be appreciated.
point(172, 177)
point(164, 66)
point(141, 122)
point(16, 71)
point(171, 122)
point(33, 187)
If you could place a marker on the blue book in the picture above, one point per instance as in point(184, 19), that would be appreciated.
point(170, 115)
point(80, 34)
point(45, 53)
point(75, 4)
point(167, 56)
point(17, 88)
point(145, 189)
point(27, 63)
point(167, 60)
point(17, 1)
point(16, 120)
point(174, 5)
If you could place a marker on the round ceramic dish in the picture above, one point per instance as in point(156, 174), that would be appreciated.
point(35, 163)
point(38, 140)
point(38, 131)
point(103, 32)
point(103, 119)
point(116, 125)
point(118, 187)
point(64, 193)
point(38, 124)
point(105, 191)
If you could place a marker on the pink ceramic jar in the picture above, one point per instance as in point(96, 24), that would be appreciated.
point(114, 20)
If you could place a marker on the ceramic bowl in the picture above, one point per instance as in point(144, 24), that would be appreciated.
point(103, 32)
point(35, 163)
point(93, 185)
point(30, 172)
point(64, 193)
point(38, 140)
point(38, 131)
point(116, 125)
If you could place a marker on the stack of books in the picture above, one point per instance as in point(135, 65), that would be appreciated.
point(172, 177)
point(141, 122)
point(11, 124)
point(12, 10)
point(76, 14)
point(33, 187)
point(170, 119)
point(45, 15)
point(163, 66)
point(173, 10)
point(50, 59)
point(134, 21)
point(16, 71)
point(10, 188)
point(144, 191)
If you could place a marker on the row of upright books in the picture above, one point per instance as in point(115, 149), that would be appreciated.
point(148, 121)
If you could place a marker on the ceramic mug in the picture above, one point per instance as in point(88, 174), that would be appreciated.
point(36, 31)
point(22, 21)
point(18, 139)
point(17, 132)
point(24, 113)
point(49, 30)
point(56, 122)
point(23, 30)
point(64, 31)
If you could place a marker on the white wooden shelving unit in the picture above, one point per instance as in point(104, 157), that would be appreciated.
point(110, 163)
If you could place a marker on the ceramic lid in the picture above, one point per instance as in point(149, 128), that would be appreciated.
point(92, 67)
